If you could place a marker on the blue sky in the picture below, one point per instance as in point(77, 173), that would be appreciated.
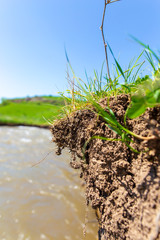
point(33, 34)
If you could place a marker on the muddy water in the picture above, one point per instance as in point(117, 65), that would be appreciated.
point(41, 202)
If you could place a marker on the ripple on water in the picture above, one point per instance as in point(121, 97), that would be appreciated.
point(21, 236)
point(67, 237)
point(42, 202)
point(25, 140)
point(43, 236)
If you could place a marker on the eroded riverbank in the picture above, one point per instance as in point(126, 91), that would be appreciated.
point(123, 186)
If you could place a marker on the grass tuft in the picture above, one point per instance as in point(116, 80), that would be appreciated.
point(144, 93)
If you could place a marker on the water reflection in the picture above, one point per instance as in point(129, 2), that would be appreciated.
point(41, 202)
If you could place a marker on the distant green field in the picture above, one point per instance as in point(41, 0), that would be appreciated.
point(30, 111)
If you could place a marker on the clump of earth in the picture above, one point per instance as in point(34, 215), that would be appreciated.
point(122, 186)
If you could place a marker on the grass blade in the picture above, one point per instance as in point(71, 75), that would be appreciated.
point(146, 47)
point(117, 64)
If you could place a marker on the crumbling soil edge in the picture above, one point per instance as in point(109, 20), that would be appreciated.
point(122, 186)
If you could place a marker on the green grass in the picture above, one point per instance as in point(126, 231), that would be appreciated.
point(143, 89)
point(40, 111)
point(144, 93)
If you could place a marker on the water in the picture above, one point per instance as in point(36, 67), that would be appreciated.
point(45, 201)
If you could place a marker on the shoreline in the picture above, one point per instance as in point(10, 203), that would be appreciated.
point(23, 124)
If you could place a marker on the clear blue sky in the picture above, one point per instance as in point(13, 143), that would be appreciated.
point(33, 34)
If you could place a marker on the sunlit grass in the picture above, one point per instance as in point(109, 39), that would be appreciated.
point(144, 92)
point(30, 113)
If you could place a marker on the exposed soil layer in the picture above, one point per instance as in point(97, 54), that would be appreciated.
point(123, 186)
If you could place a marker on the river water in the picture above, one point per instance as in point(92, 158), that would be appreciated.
point(45, 201)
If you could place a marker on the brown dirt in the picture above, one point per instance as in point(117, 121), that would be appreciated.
point(122, 186)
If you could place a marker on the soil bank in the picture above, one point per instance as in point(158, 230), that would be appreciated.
point(122, 186)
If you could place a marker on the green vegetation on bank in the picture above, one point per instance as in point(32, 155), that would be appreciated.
point(40, 111)
point(144, 92)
